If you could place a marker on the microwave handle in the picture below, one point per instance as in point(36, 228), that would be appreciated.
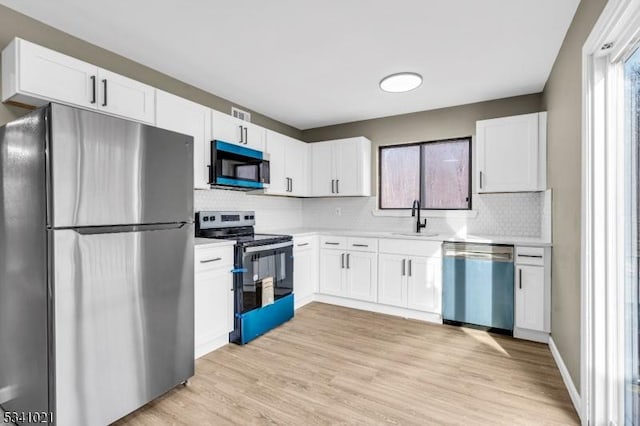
point(212, 179)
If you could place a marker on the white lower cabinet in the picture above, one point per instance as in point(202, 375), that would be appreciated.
point(410, 275)
point(213, 288)
point(350, 273)
point(305, 269)
point(532, 308)
point(413, 282)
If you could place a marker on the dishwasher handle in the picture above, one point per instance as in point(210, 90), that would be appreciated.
point(493, 253)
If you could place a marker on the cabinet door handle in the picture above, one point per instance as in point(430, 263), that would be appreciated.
point(211, 260)
point(409, 267)
point(241, 134)
point(537, 256)
point(360, 245)
point(333, 185)
point(520, 277)
point(480, 180)
point(303, 244)
point(246, 136)
point(104, 85)
point(93, 89)
point(291, 185)
point(337, 186)
point(331, 243)
point(348, 260)
point(404, 261)
point(342, 261)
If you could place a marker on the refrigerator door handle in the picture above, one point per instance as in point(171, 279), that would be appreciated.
point(94, 230)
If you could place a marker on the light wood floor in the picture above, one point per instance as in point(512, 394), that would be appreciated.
point(333, 365)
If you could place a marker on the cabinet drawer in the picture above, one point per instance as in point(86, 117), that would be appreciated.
point(411, 247)
point(530, 256)
point(305, 243)
point(362, 244)
point(328, 242)
point(212, 258)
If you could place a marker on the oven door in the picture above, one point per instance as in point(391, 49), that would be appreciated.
point(237, 166)
point(258, 263)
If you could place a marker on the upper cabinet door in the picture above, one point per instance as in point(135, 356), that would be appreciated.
point(35, 75)
point(297, 167)
point(322, 169)
point(511, 154)
point(233, 130)
point(276, 148)
point(183, 116)
point(254, 136)
point(348, 167)
point(125, 97)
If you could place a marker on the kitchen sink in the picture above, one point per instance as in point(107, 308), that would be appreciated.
point(415, 234)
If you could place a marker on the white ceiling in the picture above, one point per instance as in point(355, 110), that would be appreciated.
point(315, 63)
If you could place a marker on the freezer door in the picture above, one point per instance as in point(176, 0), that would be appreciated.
point(109, 171)
point(123, 302)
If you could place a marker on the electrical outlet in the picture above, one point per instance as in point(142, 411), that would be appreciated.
point(338, 211)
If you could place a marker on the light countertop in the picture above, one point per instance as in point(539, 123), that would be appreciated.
point(211, 242)
point(487, 239)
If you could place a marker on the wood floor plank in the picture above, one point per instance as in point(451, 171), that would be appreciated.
point(334, 365)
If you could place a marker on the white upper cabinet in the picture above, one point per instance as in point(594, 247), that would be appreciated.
point(183, 116)
point(122, 96)
point(238, 132)
point(289, 165)
point(35, 75)
point(341, 168)
point(511, 153)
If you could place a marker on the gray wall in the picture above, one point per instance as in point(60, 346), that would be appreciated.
point(14, 24)
point(562, 98)
point(426, 125)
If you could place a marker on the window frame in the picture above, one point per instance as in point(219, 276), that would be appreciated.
point(422, 143)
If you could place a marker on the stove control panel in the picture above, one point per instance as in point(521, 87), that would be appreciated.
point(216, 220)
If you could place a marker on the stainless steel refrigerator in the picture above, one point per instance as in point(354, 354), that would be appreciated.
point(96, 265)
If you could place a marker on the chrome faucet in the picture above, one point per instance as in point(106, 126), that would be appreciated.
point(414, 208)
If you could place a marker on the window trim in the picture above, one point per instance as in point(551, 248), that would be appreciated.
point(400, 145)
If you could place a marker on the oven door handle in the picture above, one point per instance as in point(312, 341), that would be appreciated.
point(253, 249)
point(238, 270)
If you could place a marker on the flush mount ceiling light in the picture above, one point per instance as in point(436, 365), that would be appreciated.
point(401, 82)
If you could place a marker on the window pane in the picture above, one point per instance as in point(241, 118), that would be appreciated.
point(399, 176)
point(445, 180)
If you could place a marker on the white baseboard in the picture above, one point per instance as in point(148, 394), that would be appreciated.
point(566, 377)
point(212, 345)
point(299, 303)
point(379, 308)
point(536, 336)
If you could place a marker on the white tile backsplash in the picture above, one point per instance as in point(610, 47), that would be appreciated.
point(271, 212)
point(516, 214)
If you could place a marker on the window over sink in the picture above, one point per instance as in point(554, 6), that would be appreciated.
point(437, 173)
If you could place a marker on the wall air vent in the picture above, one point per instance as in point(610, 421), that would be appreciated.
point(242, 115)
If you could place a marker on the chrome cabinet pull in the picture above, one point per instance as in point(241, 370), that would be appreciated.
point(409, 267)
point(360, 245)
point(93, 89)
point(104, 84)
point(537, 256)
point(331, 244)
point(333, 191)
point(241, 135)
point(480, 180)
point(246, 135)
point(348, 260)
point(403, 266)
point(211, 260)
point(303, 244)
point(342, 261)
point(337, 186)
point(291, 188)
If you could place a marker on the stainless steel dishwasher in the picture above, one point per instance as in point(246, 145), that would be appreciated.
point(478, 285)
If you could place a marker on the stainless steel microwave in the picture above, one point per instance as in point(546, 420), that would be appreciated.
point(237, 167)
